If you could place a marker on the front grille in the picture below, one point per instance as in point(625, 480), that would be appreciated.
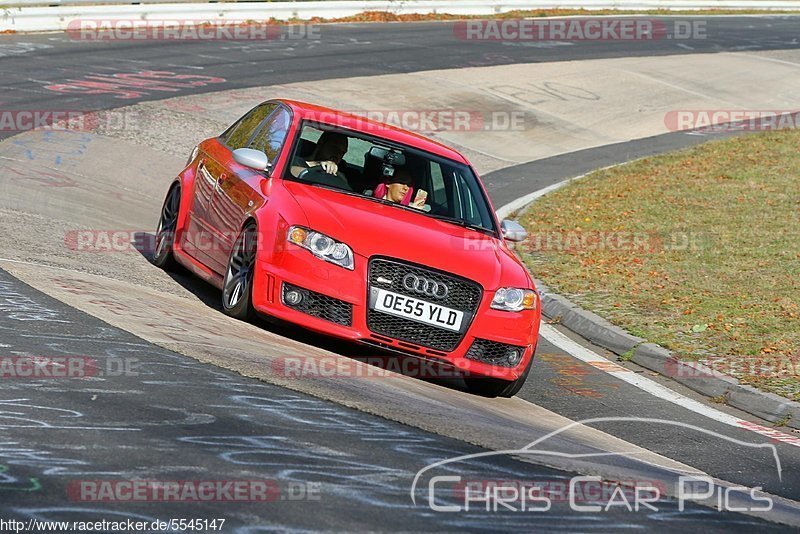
point(463, 295)
point(319, 305)
point(493, 352)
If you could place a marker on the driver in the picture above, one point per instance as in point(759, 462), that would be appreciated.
point(331, 148)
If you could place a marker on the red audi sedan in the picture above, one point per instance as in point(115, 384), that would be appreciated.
point(359, 230)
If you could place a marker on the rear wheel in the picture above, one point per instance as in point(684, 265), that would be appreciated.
point(237, 286)
point(165, 233)
point(493, 387)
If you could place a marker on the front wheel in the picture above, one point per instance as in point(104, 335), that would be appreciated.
point(237, 286)
point(165, 233)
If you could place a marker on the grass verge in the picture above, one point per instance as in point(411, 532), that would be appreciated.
point(384, 16)
point(698, 251)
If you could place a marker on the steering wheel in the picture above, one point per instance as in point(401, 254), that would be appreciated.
point(325, 178)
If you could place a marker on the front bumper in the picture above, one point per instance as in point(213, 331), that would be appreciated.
point(335, 289)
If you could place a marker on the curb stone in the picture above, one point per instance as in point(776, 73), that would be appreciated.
point(695, 376)
point(589, 325)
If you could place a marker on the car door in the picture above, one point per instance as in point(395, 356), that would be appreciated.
point(198, 229)
point(238, 192)
point(205, 235)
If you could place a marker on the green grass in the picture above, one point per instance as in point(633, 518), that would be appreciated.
point(719, 277)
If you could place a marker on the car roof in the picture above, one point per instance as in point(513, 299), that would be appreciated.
point(359, 123)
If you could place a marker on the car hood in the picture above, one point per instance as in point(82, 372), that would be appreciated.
point(375, 229)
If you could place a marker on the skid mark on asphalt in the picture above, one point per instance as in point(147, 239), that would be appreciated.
point(127, 85)
point(571, 375)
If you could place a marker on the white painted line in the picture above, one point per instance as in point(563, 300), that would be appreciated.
point(654, 388)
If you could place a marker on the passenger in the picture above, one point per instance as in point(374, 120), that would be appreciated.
point(398, 188)
point(331, 148)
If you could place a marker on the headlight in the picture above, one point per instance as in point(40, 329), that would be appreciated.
point(514, 299)
point(322, 246)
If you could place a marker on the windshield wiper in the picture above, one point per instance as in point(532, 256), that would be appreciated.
point(465, 224)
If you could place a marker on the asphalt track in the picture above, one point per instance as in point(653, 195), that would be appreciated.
point(227, 427)
point(347, 51)
point(31, 62)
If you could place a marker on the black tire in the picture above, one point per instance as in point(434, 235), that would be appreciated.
point(493, 387)
point(237, 286)
point(165, 232)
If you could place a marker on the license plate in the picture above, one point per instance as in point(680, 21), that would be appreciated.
point(416, 309)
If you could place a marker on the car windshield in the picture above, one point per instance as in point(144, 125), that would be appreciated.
point(383, 171)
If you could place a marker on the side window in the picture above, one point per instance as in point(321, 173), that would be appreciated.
point(438, 195)
point(272, 134)
point(237, 135)
point(355, 151)
point(470, 212)
point(473, 209)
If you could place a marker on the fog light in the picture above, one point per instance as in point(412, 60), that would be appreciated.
point(293, 297)
point(513, 357)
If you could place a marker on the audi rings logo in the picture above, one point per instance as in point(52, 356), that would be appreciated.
point(423, 286)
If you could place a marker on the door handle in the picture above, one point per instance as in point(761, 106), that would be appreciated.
point(222, 178)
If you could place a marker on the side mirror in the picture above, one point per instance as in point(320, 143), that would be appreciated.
point(512, 230)
point(255, 159)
